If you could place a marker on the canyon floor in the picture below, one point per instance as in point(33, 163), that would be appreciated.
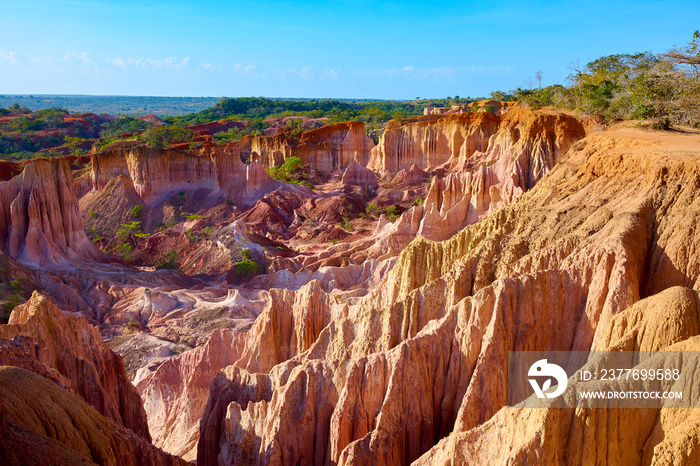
point(178, 304)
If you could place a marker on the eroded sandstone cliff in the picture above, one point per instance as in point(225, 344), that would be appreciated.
point(70, 351)
point(326, 149)
point(424, 356)
point(40, 223)
point(384, 341)
point(43, 424)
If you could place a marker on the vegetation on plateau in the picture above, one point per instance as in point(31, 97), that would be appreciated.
point(374, 113)
point(663, 88)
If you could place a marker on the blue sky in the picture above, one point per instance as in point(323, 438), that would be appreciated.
point(347, 49)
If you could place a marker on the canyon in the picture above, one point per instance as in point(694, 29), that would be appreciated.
point(192, 306)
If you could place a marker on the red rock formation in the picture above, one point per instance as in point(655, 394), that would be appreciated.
point(153, 119)
point(9, 170)
point(335, 146)
point(175, 394)
point(42, 424)
point(424, 356)
point(358, 175)
point(666, 321)
point(39, 219)
point(411, 176)
point(159, 172)
point(326, 149)
point(429, 142)
point(72, 353)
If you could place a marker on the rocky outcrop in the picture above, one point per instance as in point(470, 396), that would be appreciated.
point(324, 149)
point(424, 356)
point(9, 170)
point(43, 424)
point(667, 321)
point(40, 223)
point(429, 142)
point(358, 175)
point(411, 176)
point(176, 393)
point(71, 352)
point(156, 172)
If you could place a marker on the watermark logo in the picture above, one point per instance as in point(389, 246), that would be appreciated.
point(543, 369)
point(604, 379)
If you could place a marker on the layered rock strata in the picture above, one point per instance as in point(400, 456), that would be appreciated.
point(70, 351)
point(158, 172)
point(43, 424)
point(324, 149)
point(40, 223)
point(424, 357)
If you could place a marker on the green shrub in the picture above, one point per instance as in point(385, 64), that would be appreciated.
point(392, 213)
point(191, 236)
point(289, 171)
point(346, 225)
point(247, 265)
point(162, 136)
point(124, 250)
point(136, 210)
point(122, 125)
point(132, 326)
point(169, 262)
point(371, 209)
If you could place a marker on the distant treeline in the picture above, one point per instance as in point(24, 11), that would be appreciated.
point(112, 105)
point(374, 113)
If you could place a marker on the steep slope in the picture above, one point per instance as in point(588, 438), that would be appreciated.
point(425, 355)
point(175, 394)
point(429, 142)
point(326, 149)
point(71, 352)
point(669, 321)
point(43, 424)
point(39, 219)
point(158, 172)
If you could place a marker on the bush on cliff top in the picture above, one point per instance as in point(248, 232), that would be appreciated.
point(162, 136)
point(664, 88)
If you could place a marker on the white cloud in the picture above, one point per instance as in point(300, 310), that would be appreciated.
point(175, 63)
point(243, 69)
point(118, 62)
point(305, 73)
point(212, 67)
point(332, 73)
point(82, 56)
point(9, 56)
